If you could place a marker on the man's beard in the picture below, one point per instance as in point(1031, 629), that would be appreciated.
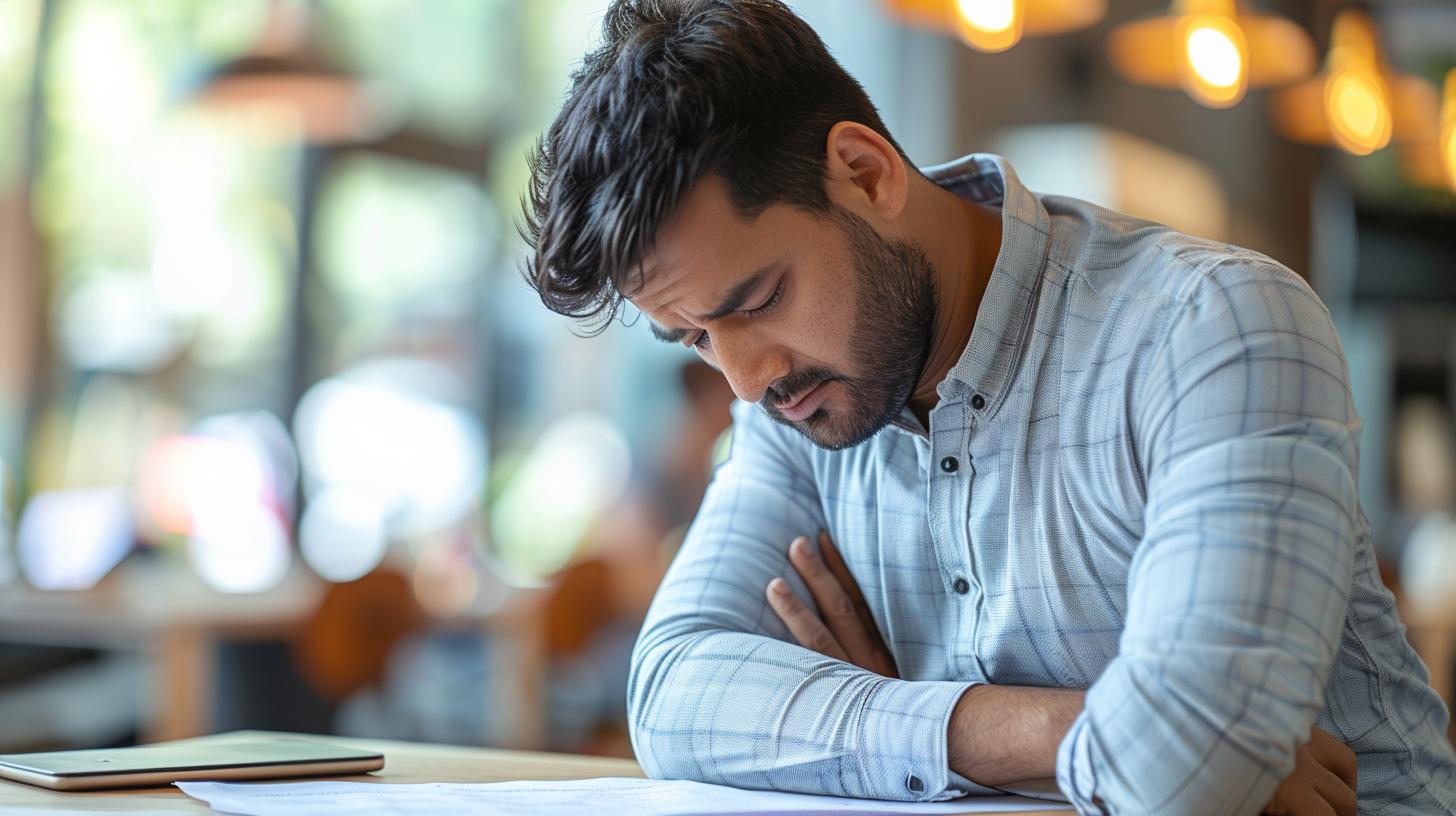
point(894, 322)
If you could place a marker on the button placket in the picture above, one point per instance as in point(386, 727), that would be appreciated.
point(949, 493)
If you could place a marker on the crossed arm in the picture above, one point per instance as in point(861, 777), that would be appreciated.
point(1030, 723)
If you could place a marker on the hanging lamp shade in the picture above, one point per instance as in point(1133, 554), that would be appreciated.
point(1416, 106)
point(1426, 123)
point(996, 25)
point(1212, 50)
point(1356, 103)
point(284, 80)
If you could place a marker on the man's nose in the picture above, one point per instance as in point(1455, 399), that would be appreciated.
point(749, 367)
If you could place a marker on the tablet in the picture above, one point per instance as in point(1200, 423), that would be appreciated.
point(165, 763)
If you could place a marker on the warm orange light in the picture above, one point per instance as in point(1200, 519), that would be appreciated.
point(1357, 106)
point(932, 14)
point(1448, 129)
point(1215, 58)
point(990, 25)
point(996, 25)
point(1357, 103)
point(1211, 50)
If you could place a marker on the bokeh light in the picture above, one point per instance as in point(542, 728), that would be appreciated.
point(111, 88)
point(183, 477)
point(1214, 57)
point(342, 534)
point(239, 547)
point(194, 267)
point(393, 431)
point(70, 539)
point(111, 321)
point(1357, 105)
point(267, 441)
point(990, 25)
point(227, 488)
point(578, 468)
point(1215, 66)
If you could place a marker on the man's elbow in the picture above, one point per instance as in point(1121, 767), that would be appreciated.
point(663, 751)
point(1156, 741)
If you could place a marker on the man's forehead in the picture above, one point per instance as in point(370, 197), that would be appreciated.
point(696, 254)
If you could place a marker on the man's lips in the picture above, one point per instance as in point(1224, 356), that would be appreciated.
point(805, 406)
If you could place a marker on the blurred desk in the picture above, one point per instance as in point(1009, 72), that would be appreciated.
point(404, 762)
point(165, 613)
point(169, 617)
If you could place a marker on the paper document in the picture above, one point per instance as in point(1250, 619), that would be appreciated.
point(588, 797)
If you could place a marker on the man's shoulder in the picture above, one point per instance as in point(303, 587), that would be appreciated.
point(1120, 256)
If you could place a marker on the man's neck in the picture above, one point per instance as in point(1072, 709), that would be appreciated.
point(963, 240)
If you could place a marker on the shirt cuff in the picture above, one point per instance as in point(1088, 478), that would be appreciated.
point(906, 732)
point(961, 786)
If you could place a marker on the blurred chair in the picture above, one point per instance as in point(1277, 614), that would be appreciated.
point(346, 645)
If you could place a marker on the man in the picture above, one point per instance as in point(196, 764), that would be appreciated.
point(1093, 481)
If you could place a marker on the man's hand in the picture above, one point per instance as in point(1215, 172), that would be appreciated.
point(1323, 781)
point(847, 631)
point(1322, 784)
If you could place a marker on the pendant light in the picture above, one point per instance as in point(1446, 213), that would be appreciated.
point(1356, 103)
point(1211, 49)
point(996, 25)
point(299, 92)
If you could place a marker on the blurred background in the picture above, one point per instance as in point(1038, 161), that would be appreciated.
point(285, 441)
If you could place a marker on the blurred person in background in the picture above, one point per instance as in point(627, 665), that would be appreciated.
point(1093, 481)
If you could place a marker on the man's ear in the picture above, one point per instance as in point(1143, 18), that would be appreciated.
point(865, 172)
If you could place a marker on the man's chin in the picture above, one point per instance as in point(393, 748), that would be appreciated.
point(826, 429)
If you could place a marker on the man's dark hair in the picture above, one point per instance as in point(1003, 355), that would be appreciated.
point(679, 89)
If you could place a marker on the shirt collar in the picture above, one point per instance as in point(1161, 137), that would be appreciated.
point(1003, 318)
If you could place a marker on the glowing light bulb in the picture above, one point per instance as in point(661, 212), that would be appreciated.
point(1214, 57)
point(990, 25)
point(1214, 69)
point(1357, 106)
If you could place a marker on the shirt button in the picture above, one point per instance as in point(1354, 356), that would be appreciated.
point(978, 402)
point(949, 464)
point(962, 586)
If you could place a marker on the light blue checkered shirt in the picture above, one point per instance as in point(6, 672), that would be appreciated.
point(1154, 500)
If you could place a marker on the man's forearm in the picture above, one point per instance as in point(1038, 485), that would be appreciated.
point(1000, 735)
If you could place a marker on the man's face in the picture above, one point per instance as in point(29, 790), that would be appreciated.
point(822, 321)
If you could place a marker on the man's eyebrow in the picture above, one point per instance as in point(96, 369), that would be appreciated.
point(732, 303)
point(736, 298)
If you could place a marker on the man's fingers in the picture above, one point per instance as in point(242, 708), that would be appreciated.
point(803, 624)
point(884, 663)
point(1335, 755)
point(834, 603)
point(1306, 802)
point(841, 572)
point(1336, 791)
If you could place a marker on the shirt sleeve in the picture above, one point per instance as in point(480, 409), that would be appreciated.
point(1246, 435)
point(719, 692)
